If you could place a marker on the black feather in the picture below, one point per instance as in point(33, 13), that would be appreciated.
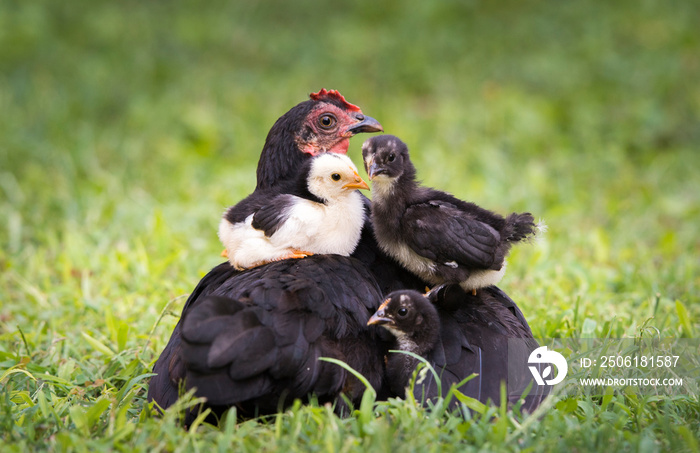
point(271, 217)
point(281, 159)
point(281, 318)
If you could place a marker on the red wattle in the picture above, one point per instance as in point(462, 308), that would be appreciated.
point(341, 147)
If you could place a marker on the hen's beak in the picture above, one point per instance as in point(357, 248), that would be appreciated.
point(358, 183)
point(365, 124)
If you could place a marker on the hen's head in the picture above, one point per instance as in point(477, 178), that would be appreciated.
point(322, 124)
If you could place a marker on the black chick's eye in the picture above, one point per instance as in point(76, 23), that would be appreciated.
point(402, 311)
point(327, 121)
point(391, 157)
point(335, 177)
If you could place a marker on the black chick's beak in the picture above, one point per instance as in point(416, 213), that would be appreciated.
point(379, 319)
point(365, 124)
point(374, 170)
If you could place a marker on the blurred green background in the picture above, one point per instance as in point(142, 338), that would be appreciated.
point(127, 127)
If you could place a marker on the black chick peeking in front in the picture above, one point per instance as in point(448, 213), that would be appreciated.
point(470, 341)
point(415, 325)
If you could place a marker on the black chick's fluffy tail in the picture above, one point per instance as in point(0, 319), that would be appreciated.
point(520, 227)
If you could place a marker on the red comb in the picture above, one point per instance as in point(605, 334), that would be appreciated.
point(333, 94)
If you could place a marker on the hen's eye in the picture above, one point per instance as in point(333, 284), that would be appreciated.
point(403, 311)
point(327, 121)
point(335, 177)
point(391, 158)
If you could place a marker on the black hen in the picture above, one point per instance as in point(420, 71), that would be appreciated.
point(458, 334)
point(431, 233)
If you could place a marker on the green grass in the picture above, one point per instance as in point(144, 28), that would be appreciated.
point(127, 128)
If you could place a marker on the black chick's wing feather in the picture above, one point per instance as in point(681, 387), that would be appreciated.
point(441, 232)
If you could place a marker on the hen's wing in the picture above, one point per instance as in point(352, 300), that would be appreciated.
point(253, 340)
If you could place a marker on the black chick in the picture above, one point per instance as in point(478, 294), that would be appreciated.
point(459, 335)
point(433, 234)
point(414, 322)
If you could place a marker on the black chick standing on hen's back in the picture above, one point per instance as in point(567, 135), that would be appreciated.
point(433, 234)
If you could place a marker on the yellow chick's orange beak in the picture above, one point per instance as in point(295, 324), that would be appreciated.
point(358, 183)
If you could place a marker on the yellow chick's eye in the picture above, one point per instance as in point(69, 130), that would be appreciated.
point(335, 176)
